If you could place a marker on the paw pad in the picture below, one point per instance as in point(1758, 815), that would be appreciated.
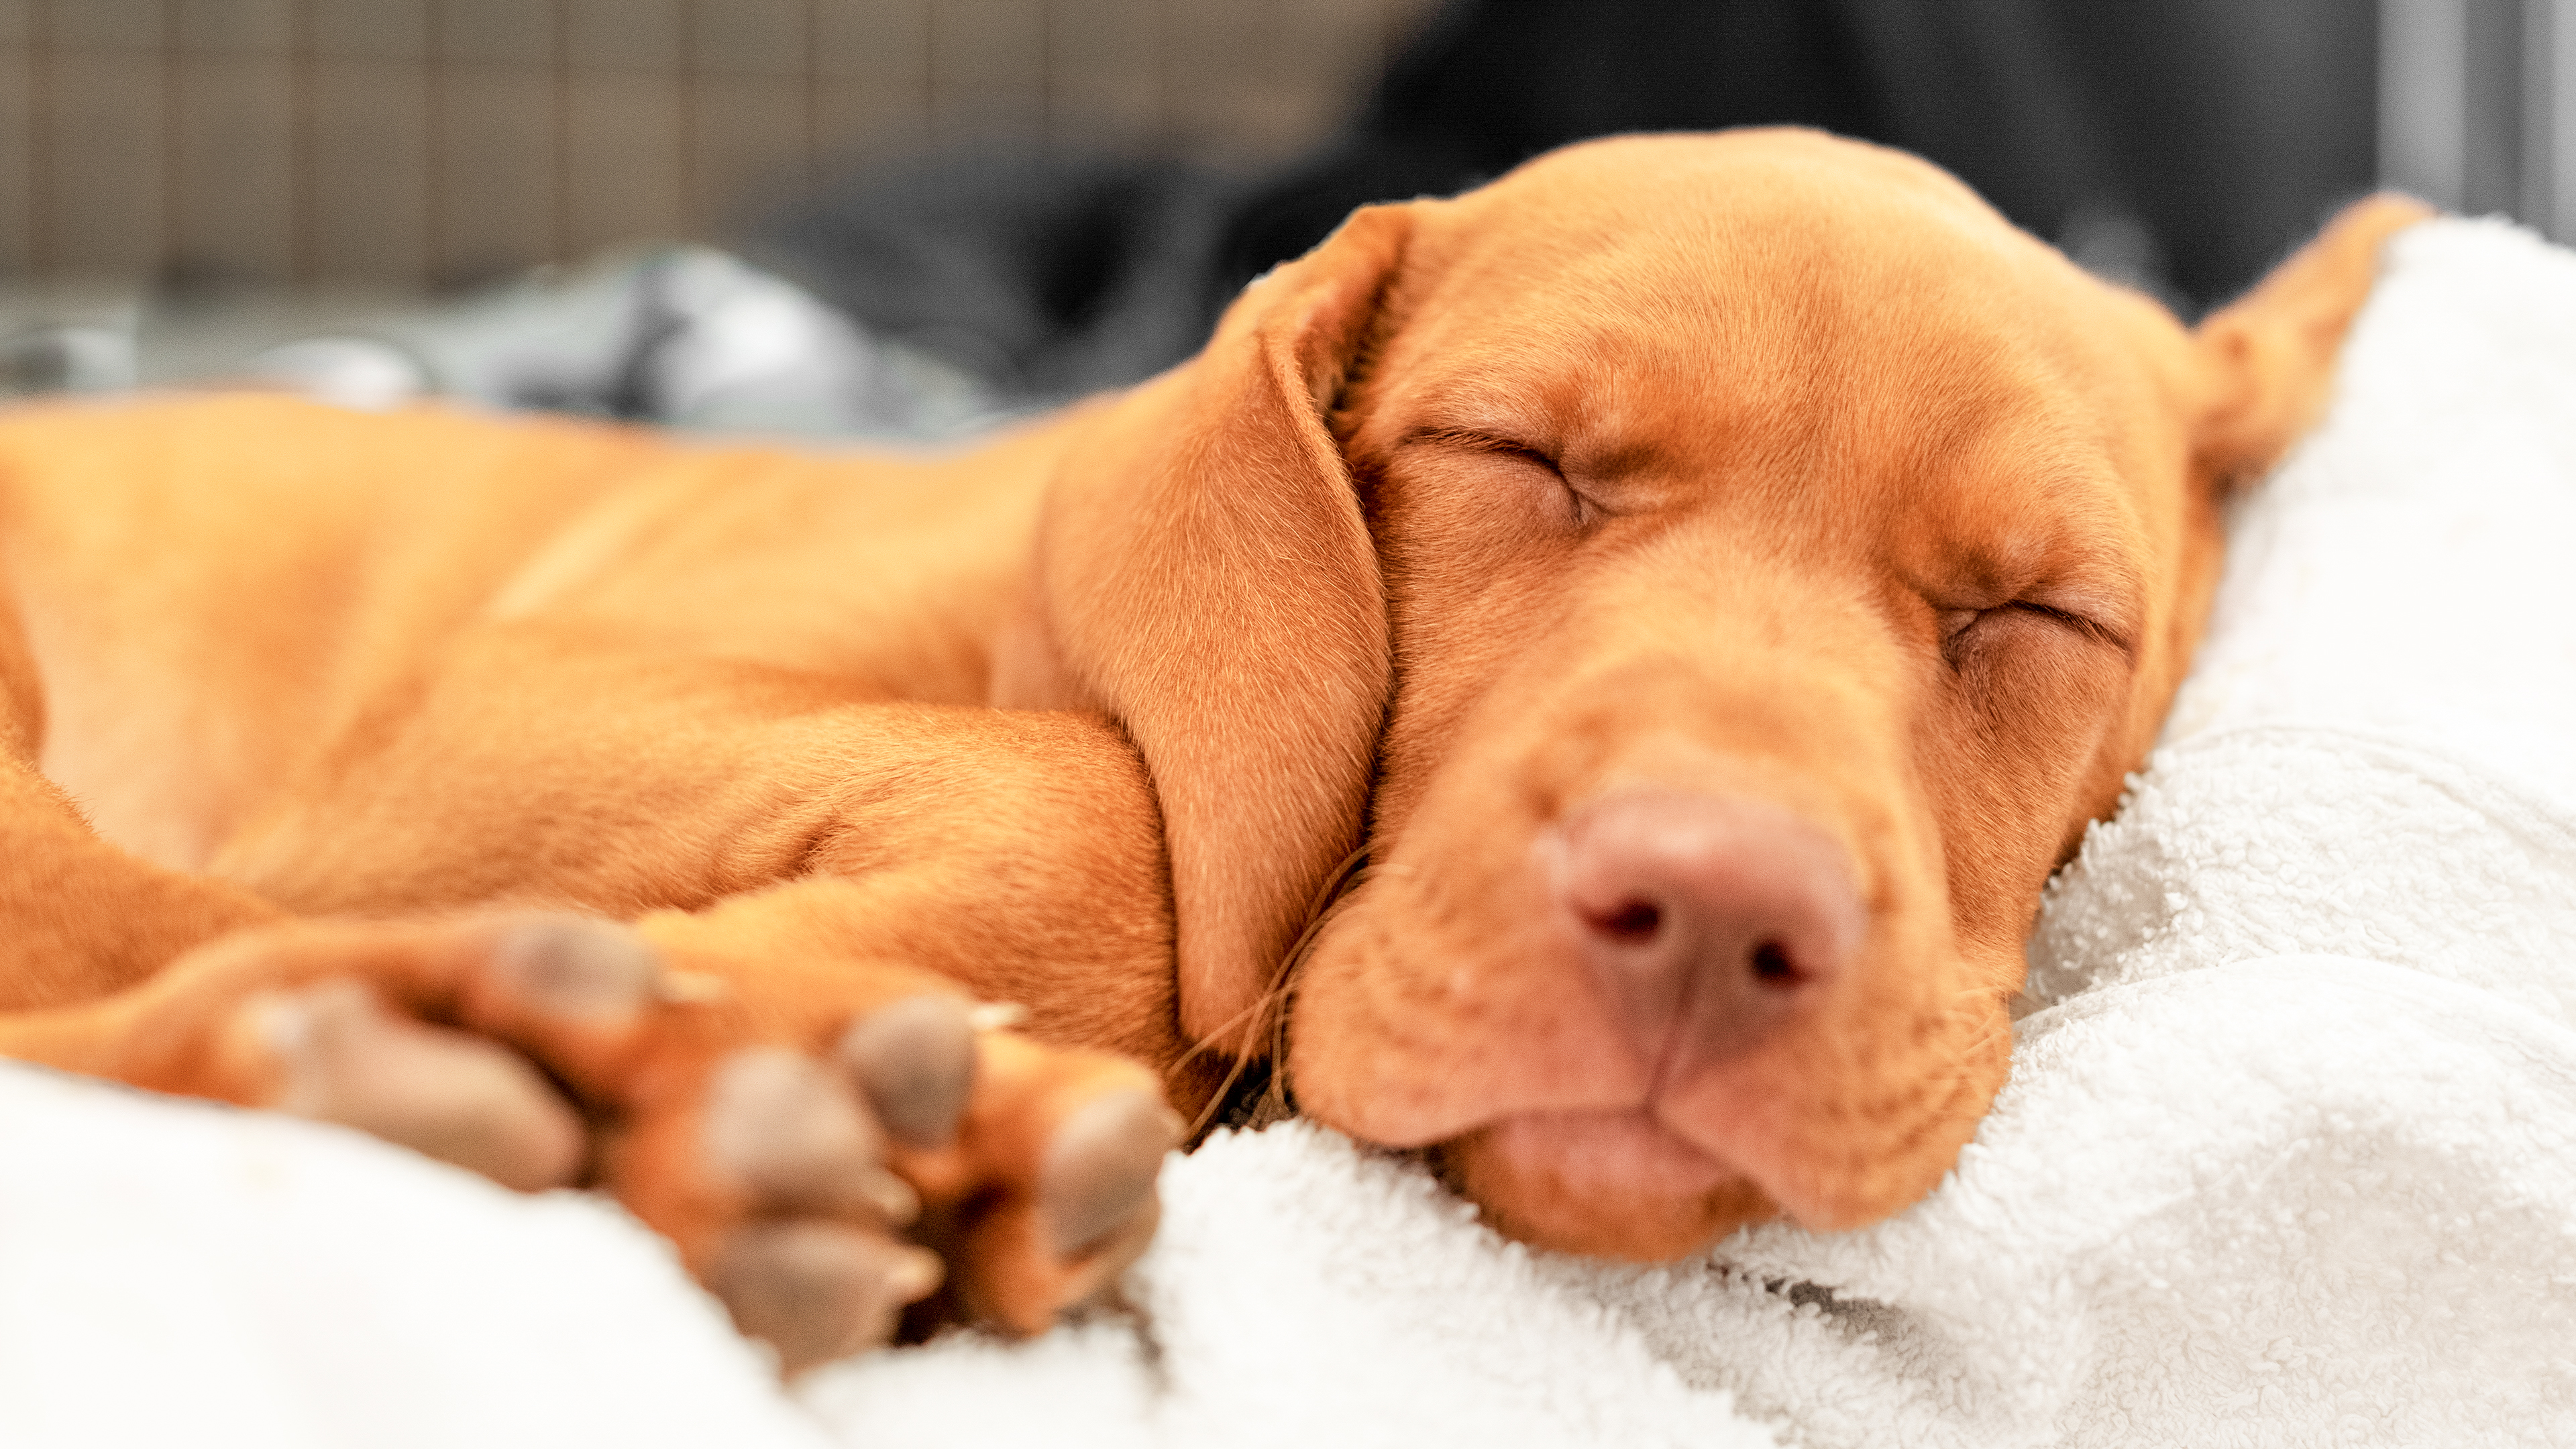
point(779, 1127)
point(1101, 1166)
point(342, 1056)
point(577, 969)
point(817, 1291)
point(915, 1060)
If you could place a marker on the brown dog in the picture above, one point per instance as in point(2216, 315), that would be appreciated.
point(1719, 576)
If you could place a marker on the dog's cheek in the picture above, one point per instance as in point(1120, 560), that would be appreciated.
point(1346, 1013)
point(2008, 751)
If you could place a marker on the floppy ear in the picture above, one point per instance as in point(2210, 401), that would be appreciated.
point(2270, 354)
point(1206, 577)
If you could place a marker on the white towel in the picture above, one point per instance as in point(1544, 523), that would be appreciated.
point(2288, 1155)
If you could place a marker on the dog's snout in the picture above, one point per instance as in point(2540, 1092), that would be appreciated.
point(1709, 921)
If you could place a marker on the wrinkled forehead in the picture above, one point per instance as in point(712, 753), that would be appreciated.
point(1762, 308)
point(1679, 256)
point(1780, 204)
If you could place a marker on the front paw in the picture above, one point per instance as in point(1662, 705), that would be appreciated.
point(831, 1167)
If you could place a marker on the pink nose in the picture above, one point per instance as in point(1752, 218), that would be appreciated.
point(1710, 921)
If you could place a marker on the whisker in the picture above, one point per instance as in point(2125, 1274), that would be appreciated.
point(1267, 1014)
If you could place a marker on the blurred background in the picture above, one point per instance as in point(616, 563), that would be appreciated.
point(909, 217)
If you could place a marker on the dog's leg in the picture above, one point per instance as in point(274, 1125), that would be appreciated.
point(822, 1140)
point(745, 1071)
point(823, 1137)
point(80, 918)
point(1040, 1192)
point(86, 930)
point(1015, 853)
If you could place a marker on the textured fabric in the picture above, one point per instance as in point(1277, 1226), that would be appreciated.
point(178, 1273)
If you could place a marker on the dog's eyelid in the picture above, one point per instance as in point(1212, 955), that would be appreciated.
point(1584, 506)
point(1954, 621)
point(2082, 623)
point(1482, 442)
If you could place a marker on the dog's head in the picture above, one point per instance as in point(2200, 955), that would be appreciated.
point(1720, 576)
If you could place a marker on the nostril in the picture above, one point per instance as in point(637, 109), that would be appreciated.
point(1708, 925)
point(1630, 922)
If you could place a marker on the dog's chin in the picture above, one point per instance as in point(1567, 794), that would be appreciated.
point(1609, 1184)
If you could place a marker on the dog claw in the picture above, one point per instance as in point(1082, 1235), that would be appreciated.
point(926, 1168)
point(778, 1125)
point(1101, 1167)
point(578, 968)
point(343, 1057)
point(819, 1291)
point(915, 1060)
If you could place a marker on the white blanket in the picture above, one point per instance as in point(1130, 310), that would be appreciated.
point(2288, 1155)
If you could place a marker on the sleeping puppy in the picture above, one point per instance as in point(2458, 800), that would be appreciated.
point(1770, 615)
point(1714, 578)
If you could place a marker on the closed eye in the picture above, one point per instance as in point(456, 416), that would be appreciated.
point(1584, 510)
point(1959, 627)
point(2091, 628)
point(1483, 443)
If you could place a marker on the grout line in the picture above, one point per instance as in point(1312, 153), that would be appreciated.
point(42, 93)
point(559, 124)
point(433, 198)
point(301, 171)
point(930, 126)
point(813, 116)
point(688, 120)
point(172, 231)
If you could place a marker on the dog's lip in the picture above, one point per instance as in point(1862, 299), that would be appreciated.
point(1616, 1150)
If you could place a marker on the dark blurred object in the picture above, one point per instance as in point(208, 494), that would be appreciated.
point(60, 358)
point(2206, 135)
point(1045, 273)
point(2196, 139)
point(1492, 83)
point(2179, 145)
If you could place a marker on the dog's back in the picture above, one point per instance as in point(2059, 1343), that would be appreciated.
point(221, 599)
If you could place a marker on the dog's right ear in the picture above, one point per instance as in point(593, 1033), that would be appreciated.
point(2270, 355)
point(1206, 577)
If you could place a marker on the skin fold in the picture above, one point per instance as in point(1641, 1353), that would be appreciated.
point(1750, 533)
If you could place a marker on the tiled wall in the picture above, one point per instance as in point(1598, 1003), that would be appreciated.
point(407, 141)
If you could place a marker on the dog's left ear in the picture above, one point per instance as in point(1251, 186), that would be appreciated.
point(2270, 355)
point(1206, 577)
